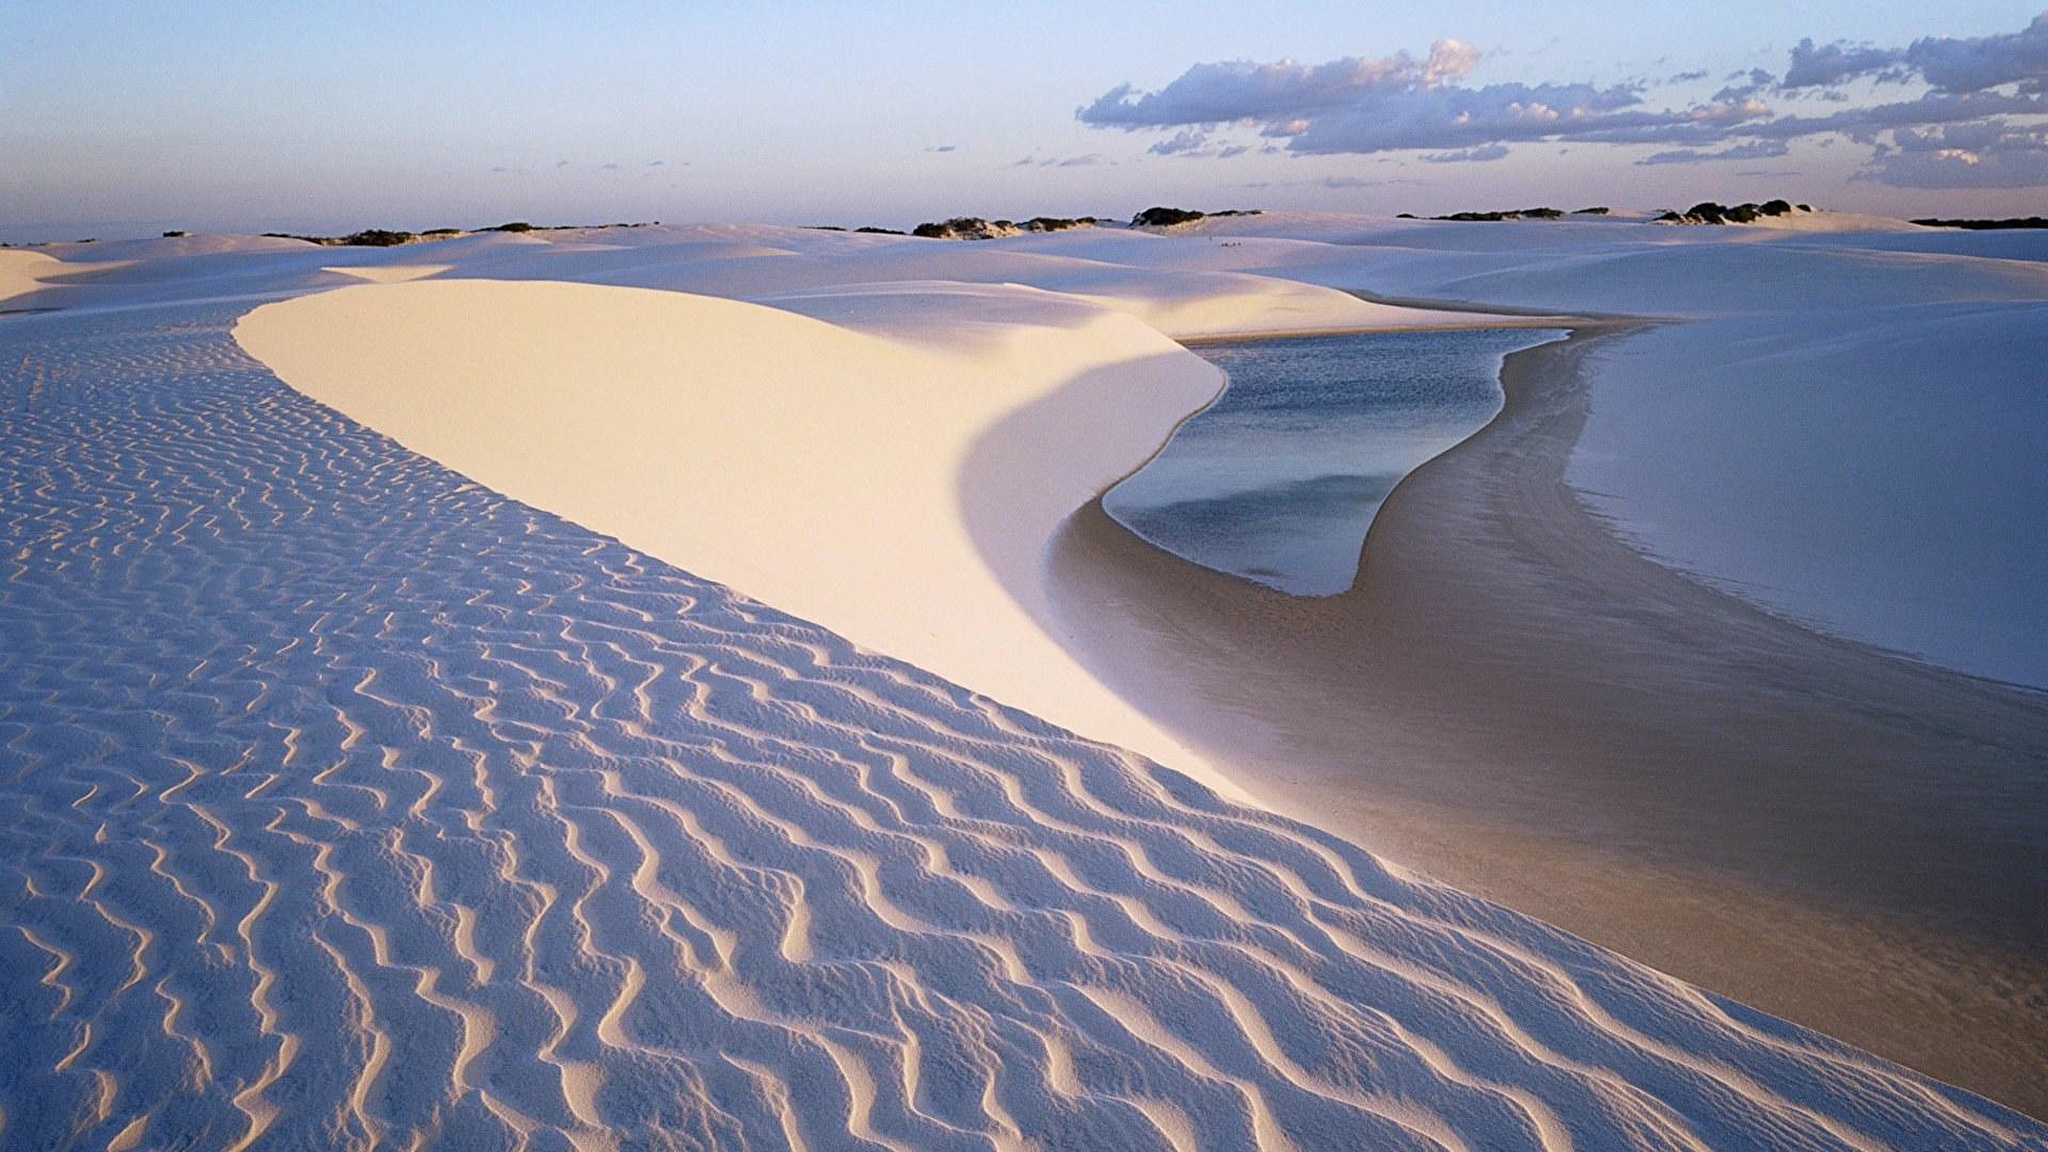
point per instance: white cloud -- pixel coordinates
(1281, 92)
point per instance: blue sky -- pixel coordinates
(123, 118)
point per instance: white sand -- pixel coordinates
(22, 272)
(1843, 429)
(350, 804)
(810, 466)
(889, 492)
(390, 273)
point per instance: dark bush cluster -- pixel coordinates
(1708, 212)
(965, 228)
(1602, 211)
(367, 238)
(1160, 217)
(1510, 214)
(388, 238)
(1057, 223)
(378, 238)
(1985, 225)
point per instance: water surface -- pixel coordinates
(1279, 479)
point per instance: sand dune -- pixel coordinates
(351, 803)
(22, 272)
(814, 466)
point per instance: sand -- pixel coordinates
(1514, 701)
(21, 272)
(812, 466)
(354, 802)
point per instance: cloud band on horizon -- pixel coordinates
(1976, 122)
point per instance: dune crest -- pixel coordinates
(22, 272)
(810, 465)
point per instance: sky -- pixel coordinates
(122, 119)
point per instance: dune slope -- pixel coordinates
(813, 466)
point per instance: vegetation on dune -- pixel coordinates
(1058, 223)
(1708, 212)
(1509, 214)
(1705, 212)
(965, 228)
(392, 238)
(1984, 225)
(976, 228)
(1161, 217)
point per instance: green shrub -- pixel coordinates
(377, 238)
(1161, 217)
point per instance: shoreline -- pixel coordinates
(1514, 701)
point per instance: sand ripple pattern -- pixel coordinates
(344, 803)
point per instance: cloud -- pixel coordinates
(1389, 103)
(1277, 93)
(1190, 143)
(1687, 77)
(1088, 160)
(1993, 155)
(1478, 155)
(1187, 141)
(1743, 85)
(1814, 67)
(944, 148)
(1947, 64)
(1865, 123)
(1422, 105)
(1753, 150)
(1986, 62)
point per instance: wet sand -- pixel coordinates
(1514, 701)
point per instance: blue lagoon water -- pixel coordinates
(1279, 479)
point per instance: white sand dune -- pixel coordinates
(816, 467)
(390, 273)
(24, 272)
(1881, 476)
(351, 803)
